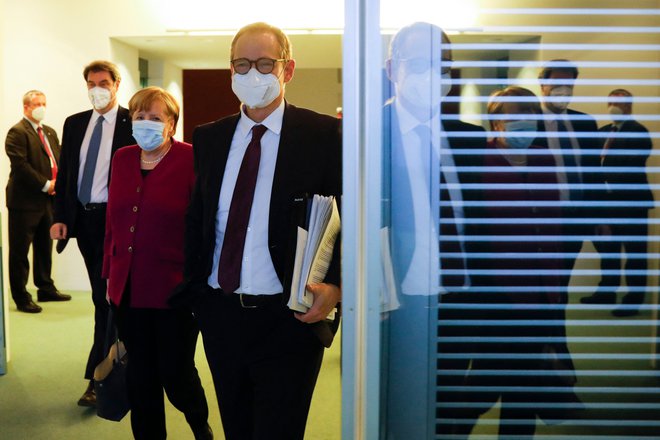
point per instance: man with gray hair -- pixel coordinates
(34, 152)
(626, 147)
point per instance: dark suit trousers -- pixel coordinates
(30, 228)
(636, 262)
(90, 233)
(264, 364)
(161, 350)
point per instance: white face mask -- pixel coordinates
(99, 97)
(39, 113)
(425, 90)
(613, 110)
(254, 89)
(562, 97)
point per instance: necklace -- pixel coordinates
(156, 160)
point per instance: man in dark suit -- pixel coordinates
(89, 140)
(572, 137)
(426, 157)
(250, 167)
(626, 147)
(34, 152)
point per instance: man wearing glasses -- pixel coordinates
(429, 154)
(250, 166)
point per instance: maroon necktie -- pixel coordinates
(53, 164)
(229, 268)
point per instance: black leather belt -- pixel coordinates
(246, 301)
(93, 206)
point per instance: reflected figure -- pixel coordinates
(424, 179)
(572, 138)
(517, 352)
(623, 161)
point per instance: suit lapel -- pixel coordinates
(286, 163)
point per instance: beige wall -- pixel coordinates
(48, 50)
(316, 89)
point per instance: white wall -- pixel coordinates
(48, 51)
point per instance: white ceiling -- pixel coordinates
(310, 51)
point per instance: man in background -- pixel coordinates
(626, 147)
(34, 152)
(89, 140)
(573, 140)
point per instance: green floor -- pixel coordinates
(44, 380)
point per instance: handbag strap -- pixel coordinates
(111, 336)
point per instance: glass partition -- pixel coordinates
(518, 227)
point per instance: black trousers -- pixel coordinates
(264, 364)
(90, 233)
(30, 228)
(636, 261)
(161, 352)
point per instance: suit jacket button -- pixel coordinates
(135, 209)
(132, 229)
(138, 189)
(130, 249)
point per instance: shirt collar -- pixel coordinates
(109, 116)
(273, 122)
(408, 122)
(35, 126)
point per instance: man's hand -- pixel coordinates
(51, 188)
(326, 297)
(58, 231)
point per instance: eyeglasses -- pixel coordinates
(421, 65)
(263, 65)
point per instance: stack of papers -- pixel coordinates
(314, 246)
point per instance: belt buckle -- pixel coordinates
(240, 297)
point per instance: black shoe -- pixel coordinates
(52, 296)
(624, 311)
(29, 307)
(203, 433)
(598, 298)
(89, 396)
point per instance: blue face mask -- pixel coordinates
(519, 141)
(148, 134)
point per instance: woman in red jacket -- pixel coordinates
(149, 192)
(522, 337)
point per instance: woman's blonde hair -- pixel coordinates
(528, 104)
(143, 100)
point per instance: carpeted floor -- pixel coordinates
(44, 380)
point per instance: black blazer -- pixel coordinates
(30, 166)
(308, 162)
(628, 153)
(66, 187)
(590, 146)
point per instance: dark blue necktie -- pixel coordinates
(572, 168)
(85, 193)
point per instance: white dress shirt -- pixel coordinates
(102, 170)
(552, 128)
(258, 276)
(424, 176)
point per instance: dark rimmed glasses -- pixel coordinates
(263, 65)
